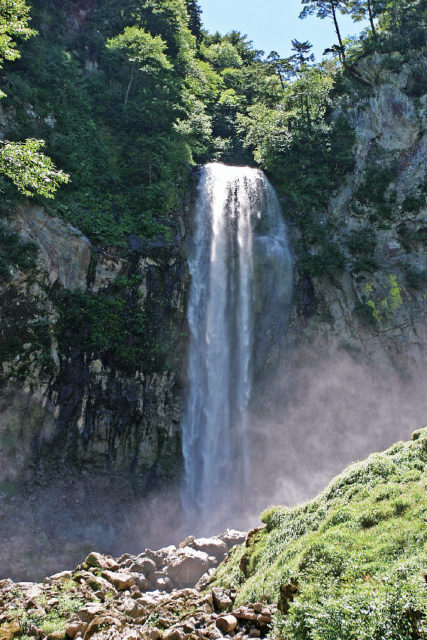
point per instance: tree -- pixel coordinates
(282, 67)
(302, 55)
(30, 170)
(360, 10)
(325, 9)
(144, 51)
(194, 18)
(22, 162)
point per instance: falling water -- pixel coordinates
(241, 288)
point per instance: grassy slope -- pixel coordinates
(354, 559)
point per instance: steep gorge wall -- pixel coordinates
(376, 306)
(61, 403)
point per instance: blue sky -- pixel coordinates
(272, 24)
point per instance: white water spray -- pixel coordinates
(241, 288)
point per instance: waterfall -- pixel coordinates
(241, 288)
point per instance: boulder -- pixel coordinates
(226, 624)
(120, 580)
(74, 627)
(232, 537)
(141, 582)
(98, 561)
(90, 611)
(9, 629)
(187, 567)
(221, 599)
(174, 634)
(212, 546)
(133, 608)
(143, 565)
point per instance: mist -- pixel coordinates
(310, 418)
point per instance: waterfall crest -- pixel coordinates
(241, 289)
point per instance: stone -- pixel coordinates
(74, 627)
(254, 633)
(245, 613)
(120, 580)
(98, 561)
(100, 585)
(55, 635)
(143, 565)
(212, 546)
(141, 581)
(203, 583)
(164, 584)
(90, 611)
(154, 634)
(62, 575)
(227, 623)
(258, 607)
(263, 620)
(102, 622)
(187, 567)
(221, 599)
(133, 608)
(174, 634)
(232, 537)
(9, 629)
(155, 556)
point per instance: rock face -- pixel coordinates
(68, 398)
(377, 306)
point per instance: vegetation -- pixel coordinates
(351, 563)
(23, 163)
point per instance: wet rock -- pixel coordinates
(226, 624)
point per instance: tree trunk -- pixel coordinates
(371, 18)
(130, 84)
(337, 29)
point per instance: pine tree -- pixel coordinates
(326, 9)
(195, 21)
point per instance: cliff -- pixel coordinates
(92, 326)
(375, 305)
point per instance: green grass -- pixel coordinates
(354, 558)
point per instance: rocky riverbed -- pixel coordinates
(158, 595)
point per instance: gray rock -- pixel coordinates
(212, 546)
(187, 567)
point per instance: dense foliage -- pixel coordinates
(127, 93)
(350, 563)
